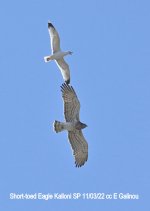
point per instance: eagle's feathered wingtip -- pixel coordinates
(79, 165)
(65, 86)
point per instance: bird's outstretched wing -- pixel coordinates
(71, 103)
(54, 37)
(79, 147)
(64, 68)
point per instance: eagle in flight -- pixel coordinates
(57, 54)
(73, 125)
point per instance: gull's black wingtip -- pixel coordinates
(67, 82)
(50, 25)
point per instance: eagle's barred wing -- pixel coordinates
(71, 103)
(79, 147)
(54, 37)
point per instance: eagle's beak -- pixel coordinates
(85, 125)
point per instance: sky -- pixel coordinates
(110, 72)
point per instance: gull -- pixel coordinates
(57, 54)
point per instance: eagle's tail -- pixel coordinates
(47, 58)
(58, 126)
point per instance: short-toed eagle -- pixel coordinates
(73, 125)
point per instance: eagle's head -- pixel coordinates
(83, 125)
(80, 125)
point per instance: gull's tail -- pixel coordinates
(47, 58)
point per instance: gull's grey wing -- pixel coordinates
(71, 103)
(54, 37)
(79, 147)
(64, 68)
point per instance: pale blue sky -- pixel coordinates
(110, 71)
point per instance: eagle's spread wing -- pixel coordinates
(71, 103)
(79, 147)
(64, 68)
(54, 37)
